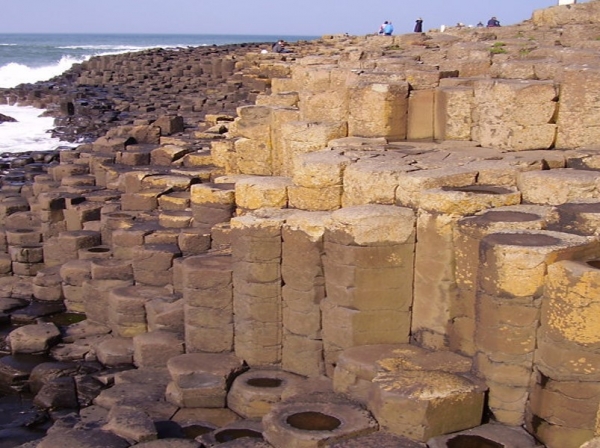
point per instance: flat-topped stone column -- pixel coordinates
(558, 186)
(581, 217)
(318, 180)
(303, 290)
(127, 315)
(375, 180)
(301, 137)
(565, 398)
(575, 113)
(435, 288)
(252, 131)
(423, 395)
(378, 109)
(368, 263)
(201, 380)
(526, 120)
(252, 193)
(212, 203)
(511, 281)
(66, 245)
(256, 250)
(467, 236)
(153, 264)
(208, 303)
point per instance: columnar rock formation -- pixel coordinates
(398, 239)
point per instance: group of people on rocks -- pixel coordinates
(387, 28)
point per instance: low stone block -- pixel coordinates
(201, 379)
(154, 349)
(424, 404)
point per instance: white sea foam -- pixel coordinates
(13, 74)
(29, 133)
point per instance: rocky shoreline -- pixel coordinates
(107, 91)
(372, 241)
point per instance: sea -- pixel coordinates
(29, 58)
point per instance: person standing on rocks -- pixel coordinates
(418, 25)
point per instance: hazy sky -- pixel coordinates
(292, 17)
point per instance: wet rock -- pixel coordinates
(35, 310)
(33, 339)
(78, 438)
(6, 119)
(15, 370)
(131, 424)
(58, 393)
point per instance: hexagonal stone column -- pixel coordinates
(201, 380)
(511, 282)
(368, 278)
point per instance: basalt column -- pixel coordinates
(368, 261)
(208, 303)
(435, 286)
(565, 399)
(510, 284)
(468, 233)
(303, 290)
(256, 250)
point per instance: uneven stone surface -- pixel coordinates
(409, 221)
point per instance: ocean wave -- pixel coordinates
(104, 47)
(119, 48)
(8, 45)
(29, 132)
(13, 74)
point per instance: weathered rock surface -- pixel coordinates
(411, 222)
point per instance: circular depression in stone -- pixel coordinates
(193, 431)
(472, 441)
(228, 435)
(118, 215)
(523, 239)
(479, 189)
(591, 207)
(594, 264)
(264, 382)
(313, 421)
(98, 249)
(508, 216)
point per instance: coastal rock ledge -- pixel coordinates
(385, 241)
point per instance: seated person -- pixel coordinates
(279, 47)
(493, 22)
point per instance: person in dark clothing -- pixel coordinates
(493, 22)
(279, 47)
(418, 25)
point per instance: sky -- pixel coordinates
(254, 17)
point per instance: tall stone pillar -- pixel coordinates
(368, 263)
(511, 282)
(435, 286)
(302, 293)
(565, 398)
(208, 303)
(468, 233)
(256, 250)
